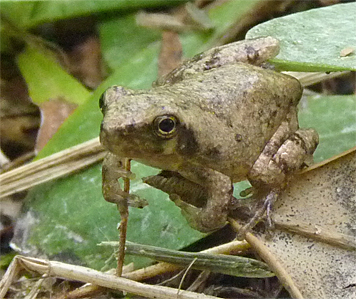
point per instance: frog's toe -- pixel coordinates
(184, 206)
(123, 173)
(136, 201)
(123, 198)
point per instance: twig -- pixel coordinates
(270, 260)
(124, 214)
(310, 78)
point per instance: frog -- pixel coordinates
(219, 118)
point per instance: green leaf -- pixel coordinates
(69, 216)
(32, 13)
(46, 79)
(117, 43)
(84, 123)
(333, 117)
(219, 263)
(313, 40)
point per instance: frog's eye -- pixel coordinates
(165, 126)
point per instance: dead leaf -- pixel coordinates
(171, 52)
(54, 112)
(346, 51)
(85, 62)
(19, 117)
(324, 201)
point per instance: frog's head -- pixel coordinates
(149, 126)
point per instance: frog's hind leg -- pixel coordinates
(178, 187)
(203, 195)
(272, 171)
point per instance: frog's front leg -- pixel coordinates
(113, 169)
(218, 191)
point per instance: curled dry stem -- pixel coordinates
(283, 276)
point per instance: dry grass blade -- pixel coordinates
(220, 263)
(52, 167)
(161, 268)
(88, 275)
(318, 233)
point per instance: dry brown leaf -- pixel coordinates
(346, 51)
(171, 52)
(85, 62)
(323, 201)
(54, 112)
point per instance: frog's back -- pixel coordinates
(239, 86)
(241, 106)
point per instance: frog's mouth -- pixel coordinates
(140, 144)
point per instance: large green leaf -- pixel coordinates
(70, 215)
(32, 13)
(313, 40)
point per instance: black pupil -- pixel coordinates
(167, 125)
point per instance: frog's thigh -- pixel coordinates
(219, 192)
(296, 151)
(175, 185)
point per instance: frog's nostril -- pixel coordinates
(102, 126)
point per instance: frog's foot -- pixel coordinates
(266, 207)
(272, 169)
(136, 202)
(199, 218)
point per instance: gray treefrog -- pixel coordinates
(217, 119)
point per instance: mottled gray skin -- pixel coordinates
(226, 116)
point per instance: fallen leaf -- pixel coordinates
(171, 52)
(323, 202)
(54, 112)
